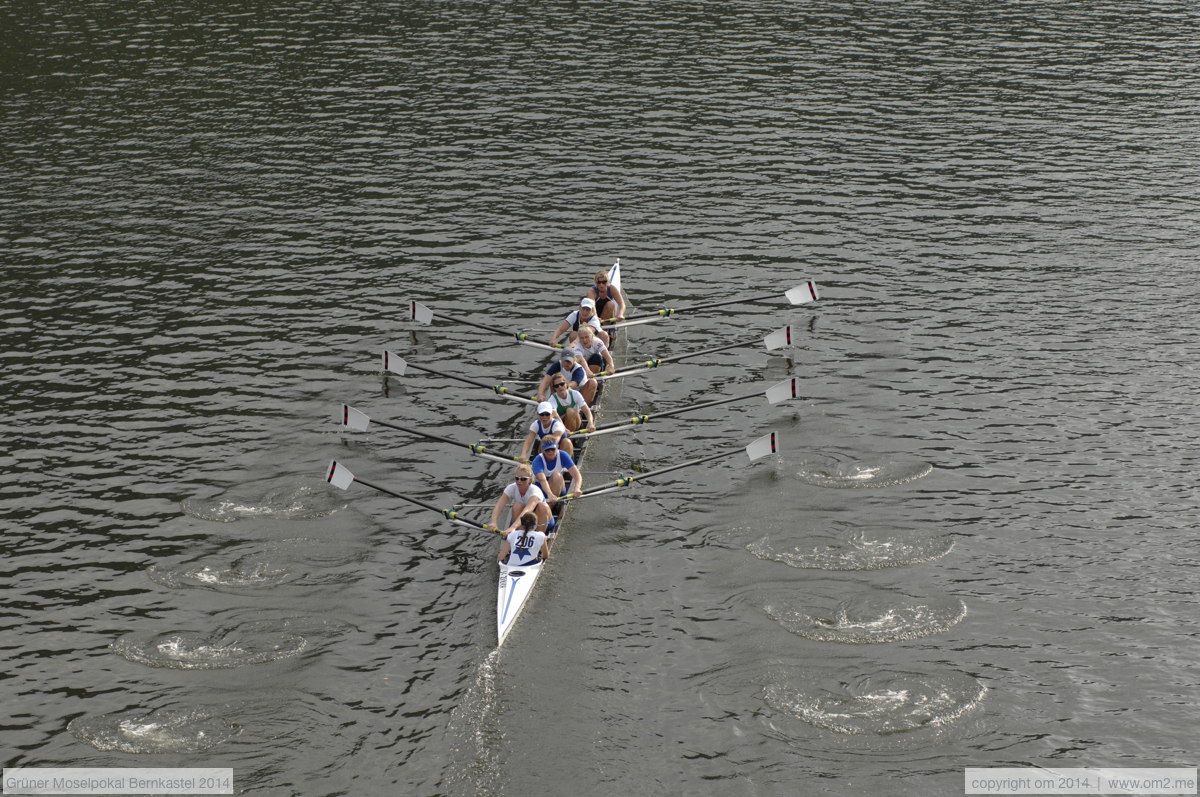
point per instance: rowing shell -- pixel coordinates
(516, 583)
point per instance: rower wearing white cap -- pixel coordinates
(549, 467)
(577, 375)
(546, 427)
(586, 314)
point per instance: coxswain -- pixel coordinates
(549, 467)
(525, 545)
(584, 315)
(524, 496)
(610, 302)
(544, 426)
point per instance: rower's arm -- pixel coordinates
(558, 331)
(608, 360)
(501, 502)
(576, 479)
(620, 303)
(527, 446)
(504, 552)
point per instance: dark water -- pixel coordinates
(977, 548)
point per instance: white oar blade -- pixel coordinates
(762, 447)
(779, 339)
(803, 293)
(394, 364)
(787, 389)
(614, 275)
(339, 476)
(421, 314)
(353, 419)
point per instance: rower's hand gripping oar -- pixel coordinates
(398, 366)
(422, 314)
(778, 339)
(787, 389)
(767, 444)
(803, 293)
(354, 419)
(340, 476)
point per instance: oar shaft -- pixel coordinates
(625, 481)
(446, 513)
(648, 365)
(474, 448)
(520, 337)
(499, 390)
(637, 420)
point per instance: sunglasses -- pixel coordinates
(522, 478)
(543, 415)
(560, 384)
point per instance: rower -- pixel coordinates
(525, 497)
(585, 315)
(610, 302)
(524, 546)
(570, 406)
(592, 351)
(549, 467)
(543, 426)
(577, 376)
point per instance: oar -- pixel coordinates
(359, 421)
(398, 366)
(424, 315)
(340, 476)
(787, 389)
(758, 449)
(803, 293)
(776, 340)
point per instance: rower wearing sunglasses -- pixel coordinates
(610, 302)
(568, 366)
(546, 426)
(570, 406)
(524, 496)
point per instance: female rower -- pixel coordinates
(570, 406)
(610, 302)
(524, 496)
(575, 373)
(592, 350)
(549, 467)
(546, 426)
(584, 316)
(525, 546)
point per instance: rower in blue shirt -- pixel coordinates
(567, 364)
(549, 467)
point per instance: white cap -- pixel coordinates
(588, 303)
(546, 406)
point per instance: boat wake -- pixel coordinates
(884, 703)
(836, 474)
(476, 737)
(876, 617)
(194, 730)
(290, 501)
(299, 561)
(226, 648)
(859, 552)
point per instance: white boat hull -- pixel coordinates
(516, 584)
